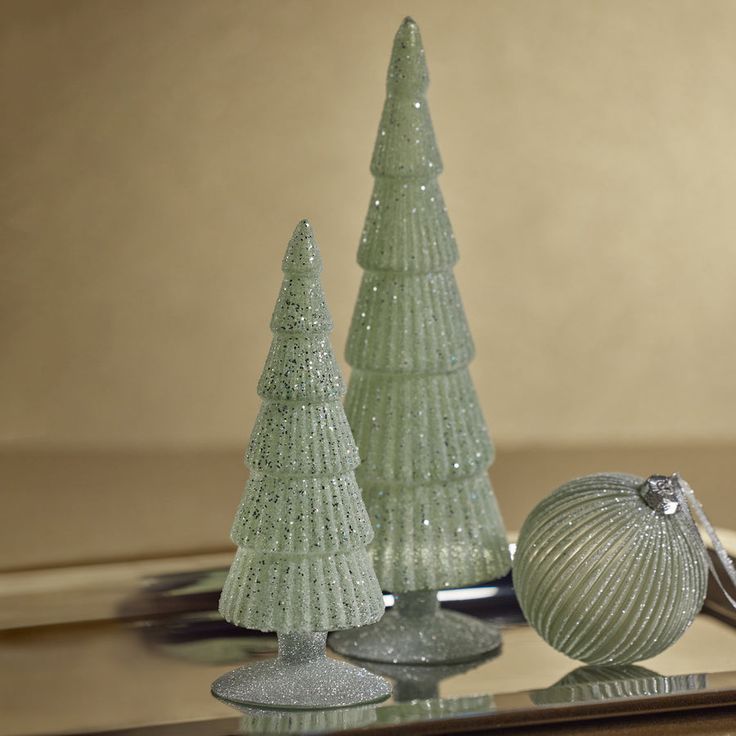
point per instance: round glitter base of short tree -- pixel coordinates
(302, 676)
(418, 631)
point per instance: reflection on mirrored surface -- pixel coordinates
(199, 590)
(205, 638)
(416, 692)
(152, 676)
(333, 720)
(420, 682)
(433, 709)
(174, 592)
(606, 682)
(480, 689)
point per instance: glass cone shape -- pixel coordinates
(411, 403)
(302, 567)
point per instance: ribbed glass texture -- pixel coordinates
(406, 322)
(282, 592)
(415, 416)
(416, 428)
(605, 578)
(302, 528)
(407, 228)
(301, 515)
(300, 439)
(445, 534)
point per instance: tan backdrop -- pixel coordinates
(156, 155)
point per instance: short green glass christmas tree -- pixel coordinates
(411, 402)
(302, 567)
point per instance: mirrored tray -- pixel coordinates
(148, 672)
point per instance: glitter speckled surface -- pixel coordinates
(602, 576)
(409, 323)
(302, 528)
(302, 676)
(444, 533)
(423, 442)
(416, 631)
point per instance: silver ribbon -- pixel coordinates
(690, 505)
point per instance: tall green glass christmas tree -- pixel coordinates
(302, 567)
(423, 442)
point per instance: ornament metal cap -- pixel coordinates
(661, 493)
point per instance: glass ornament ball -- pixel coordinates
(609, 570)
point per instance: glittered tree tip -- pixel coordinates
(407, 71)
(405, 147)
(301, 306)
(302, 254)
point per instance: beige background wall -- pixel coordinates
(156, 155)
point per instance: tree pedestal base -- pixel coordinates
(301, 677)
(418, 631)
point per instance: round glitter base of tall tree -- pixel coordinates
(418, 632)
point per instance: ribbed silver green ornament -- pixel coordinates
(606, 576)
(302, 567)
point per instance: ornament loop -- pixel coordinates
(688, 501)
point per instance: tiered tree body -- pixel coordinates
(301, 529)
(411, 403)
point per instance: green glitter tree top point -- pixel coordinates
(302, 254)
(406, 147)
(301, 306)
(407, 70)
